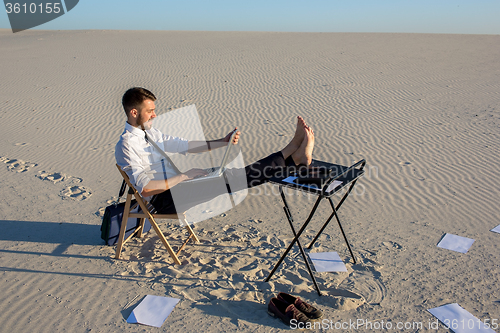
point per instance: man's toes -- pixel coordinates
(303, 122)
(299, 132)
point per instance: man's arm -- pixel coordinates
(202, 146)
(159, 186)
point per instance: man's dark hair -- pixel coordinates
(133, 98)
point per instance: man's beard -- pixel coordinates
(145, 125)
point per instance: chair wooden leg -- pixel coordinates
(146, 213)
(183, 244)
(190, 230)
(156, 228)
(164, 241)
(123, 227)
(140, 228)
(191, 235)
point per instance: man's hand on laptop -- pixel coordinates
(194, 173)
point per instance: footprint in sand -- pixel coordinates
(74, 180)
(21, 144)
(17, 165)
(392, 245)
(56, 177)
(344, 300)
(100, 211)
(76, 193)
(404, 163)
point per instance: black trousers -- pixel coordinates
(256, 174)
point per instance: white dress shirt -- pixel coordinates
(141, 161)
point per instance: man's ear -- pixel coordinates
(134, 113)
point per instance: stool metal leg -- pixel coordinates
(335, 209)
(290, 221)
(342, 229)
(304, 226)
(321, 230)
(340, 226)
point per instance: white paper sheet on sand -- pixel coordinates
(459, 320)
(153, 310)
(330, 188)
(327, 262)
(496, 229)
(456, 243)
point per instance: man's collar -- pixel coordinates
(134, 130)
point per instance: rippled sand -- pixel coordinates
(423, 110)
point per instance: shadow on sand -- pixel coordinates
(61, 233)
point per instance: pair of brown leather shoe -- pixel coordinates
(288, 307)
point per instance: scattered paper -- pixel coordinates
(456, 243)
(459, 320)
(153, 310)
(496, 229)
(327, 262)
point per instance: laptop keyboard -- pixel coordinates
(210, 172)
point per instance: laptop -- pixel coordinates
(217, 171)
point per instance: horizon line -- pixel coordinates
(266, 31)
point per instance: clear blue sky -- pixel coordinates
(419, 16)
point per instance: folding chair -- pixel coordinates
(147, 210)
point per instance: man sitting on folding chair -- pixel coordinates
(154, 175)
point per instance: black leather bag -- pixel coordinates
(112, 221)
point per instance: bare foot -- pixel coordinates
(299, 132)
(303, 155)
(298, 138)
